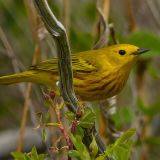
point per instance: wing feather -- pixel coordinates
(79, 64)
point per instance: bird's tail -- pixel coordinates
(16, 78)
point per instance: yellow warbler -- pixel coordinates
(98, 74)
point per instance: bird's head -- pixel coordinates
(124, 54)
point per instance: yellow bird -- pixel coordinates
(98, 74)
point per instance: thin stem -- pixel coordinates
(154, 11)
(26, 106)
(131, 17)
(24, 117)
(113, 34)
(103, 29)
(66, 14)
(22, 88)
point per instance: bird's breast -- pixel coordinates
(100, 86)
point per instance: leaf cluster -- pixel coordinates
(33, 155)
(120, 150)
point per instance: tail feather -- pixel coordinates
(16, 78)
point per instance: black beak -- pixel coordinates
(140, 51)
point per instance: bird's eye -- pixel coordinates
(122, 52)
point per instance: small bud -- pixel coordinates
(74, 125)
(52, 94)
(93, 147)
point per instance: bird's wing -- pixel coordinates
(79, 64)
(48, 65)
(83, 64)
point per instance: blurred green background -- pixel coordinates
(135, 22)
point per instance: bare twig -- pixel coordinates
(22, 87)
(66, 14)
(32, 16)
(17, 66)
(24, 117)
(103, 19)
(9, 51)
(39, 32)
(26, 107)
(61, 127)
(33, 23)
(154, 11)
(130, 14)
(113, 34)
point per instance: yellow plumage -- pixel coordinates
(98, 74)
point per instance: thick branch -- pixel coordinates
(58, 32)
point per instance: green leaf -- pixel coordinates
(80, 147)
(20, 156)
(121, 149)
(74, 154)
(27, 157)
(93, 148)
(34, 154)
(43, 156)
(126, 135)
(101, 157)
(70, 116)
(79, 131)
(88, 118)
